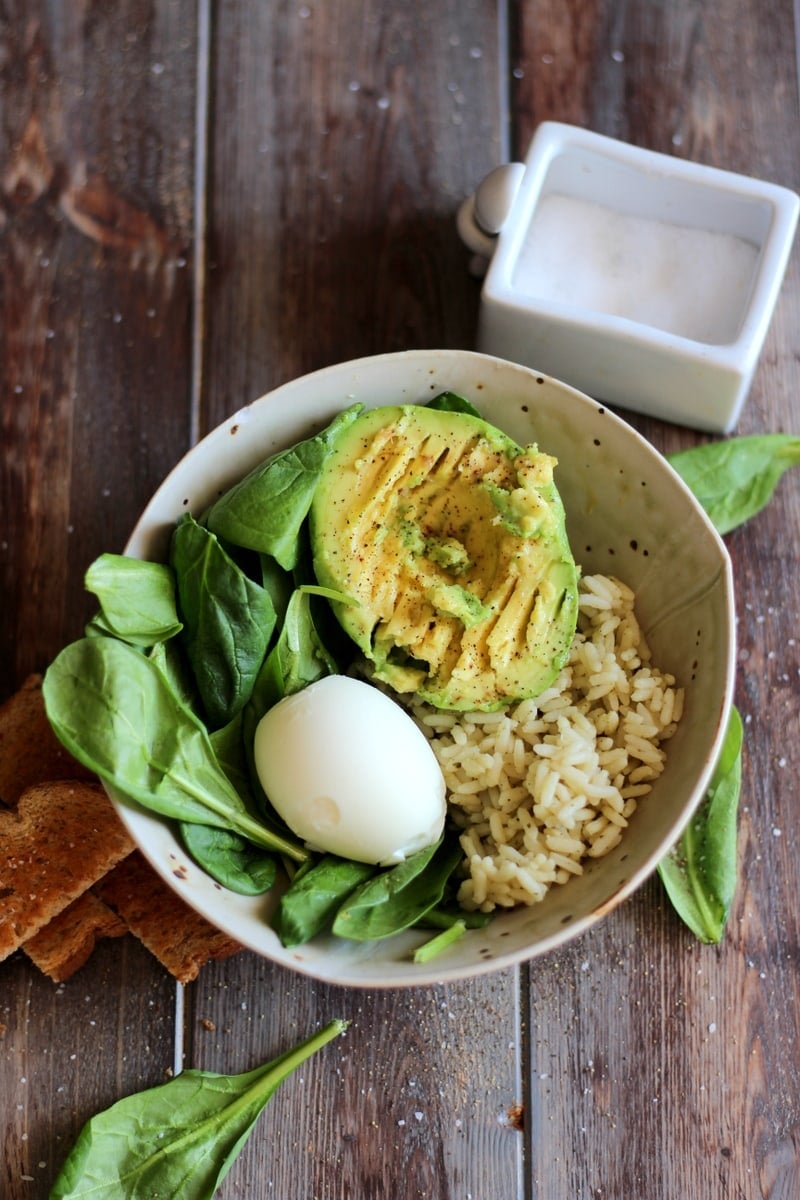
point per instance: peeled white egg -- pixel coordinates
(350, 772)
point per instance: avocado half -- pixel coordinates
(450, 541)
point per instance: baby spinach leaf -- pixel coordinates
(228, 620)
(452, 402)
(137, 598)
(229, 859)
(278, 583)
(180, 1138)
(175, 669)
(445, 915)
(297, 659)
(228, 745)
(266, 510)
(699, 873)
(397, 898)
(114, 711)
(734, 479)
(310, 903)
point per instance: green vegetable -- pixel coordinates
(445, 915)
(173, 666)
(436, 945)
(298, 657)
(179, 1139)
(452, 402)
(699, 873)
(228, 620)
(229, 859)
(137, 599)
(314, 896)
(114, 711)
(228, 745)
(399, 897)
(734, 479)
(266, 510)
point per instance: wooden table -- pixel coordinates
(201, 201)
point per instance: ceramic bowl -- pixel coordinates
(628, 514)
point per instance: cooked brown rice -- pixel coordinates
(539, 787)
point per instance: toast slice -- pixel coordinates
(64, 944)
(181, 939)
(63, 836)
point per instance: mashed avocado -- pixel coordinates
(450, 540)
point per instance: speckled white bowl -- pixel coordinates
(628, 514)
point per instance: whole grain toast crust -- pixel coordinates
(64, 944)
(180, 938)
(29, 750)
(63, 836)
(68, 873)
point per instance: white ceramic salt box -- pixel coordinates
(642, 279)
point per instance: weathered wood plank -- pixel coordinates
(661, 1067)
(413, 1101)
(332, 235)
(95, 228)
(358, 131)
(97, 207)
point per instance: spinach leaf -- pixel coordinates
(180, 1138)
(734, 479)
(699, 873)
(137, 599)
(297, 659)
(278, 583)
(115, 712)
(315, 894)
(228, 745)
(266, 510)
(176, 671)
(436, 945)
(443, 916)
(452, 402)
(228, 620)
(229, 859)
(397, 898)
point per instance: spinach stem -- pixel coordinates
(252, 829)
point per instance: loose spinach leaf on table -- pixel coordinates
(137, 599)
(398, 897)
(266, 510)
(228, 858)
(228, 620)
(699, 873)
(179, 1139)
(113, 709)
(734, 479)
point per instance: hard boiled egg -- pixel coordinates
(350, 772)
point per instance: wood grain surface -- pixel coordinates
(199, 201)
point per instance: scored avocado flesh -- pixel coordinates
(450, 541)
